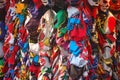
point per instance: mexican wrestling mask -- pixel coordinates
(72, 11)
(60, 22)
(19, 7)
(46, 23)
(104, 5)
(2, 3)
(115, 5)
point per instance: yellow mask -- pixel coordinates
(19, 7)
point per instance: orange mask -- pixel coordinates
(19, 7)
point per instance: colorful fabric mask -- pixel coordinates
(72, 11)
(115, 5)
(2, 3)
(46, 25)
(46, 2)
(19, 7)
(32, 29)
(81, 29)
(60, 22)
(104, 5)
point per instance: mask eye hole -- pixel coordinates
(105, 1)
(114, 1)
(95, 0)
(43, 20)
(16, 7)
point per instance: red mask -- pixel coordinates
(115, 5)
(104, 5)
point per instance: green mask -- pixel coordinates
(60, 22)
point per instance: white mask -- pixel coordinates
(47, 22)
(93, 2)
(104, 5)
(2, 3)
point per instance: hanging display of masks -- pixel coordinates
(59, 40)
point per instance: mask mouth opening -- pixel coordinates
(96, 3)
(47, 2)
(1, 2)
(44, 2)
